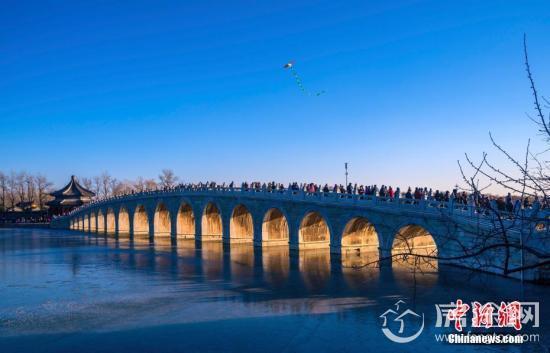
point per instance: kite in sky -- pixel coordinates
(290, 66)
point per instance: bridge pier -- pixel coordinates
(198, 225)
(257, 232)
(151, 223)
(131, 222)
(173, 224)
(293, 237)
(226, 226)
(117, 231)
(384, 256)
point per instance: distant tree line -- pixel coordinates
(27, 191)
(24, 190)
(105, 185)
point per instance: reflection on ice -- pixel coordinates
(314, 266)
(54, 282)
(360, 259)
(241, 260)
(276, 265)
(212, 259)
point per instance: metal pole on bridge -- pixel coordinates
(346, 167)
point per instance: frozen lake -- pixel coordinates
(64, 291)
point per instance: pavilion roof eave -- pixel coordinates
(73, 188)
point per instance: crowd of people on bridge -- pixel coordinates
(508, 204)
(482, 201)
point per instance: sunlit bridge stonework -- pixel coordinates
(358, 229)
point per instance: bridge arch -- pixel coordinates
(185, 225)
(110, 225)
(86, 223)
(211, 222)
(241, 225)
(314, 231)
(275, 227)
(411, 240)
(141, 221)
(123, 221)
(100, 222)
(359, 233)
(162, 221)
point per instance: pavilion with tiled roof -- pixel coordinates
(69, 197)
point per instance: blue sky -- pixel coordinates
(134, 87)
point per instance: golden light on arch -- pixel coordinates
(141, 221)
(275, 226)
(314, 229)
(123, 221)
(185, 227)
(211, 222)
(414, 247)
(241, 225)
(162, 221)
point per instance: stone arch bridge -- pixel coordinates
(342, 223)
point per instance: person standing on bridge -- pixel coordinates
(509, 205)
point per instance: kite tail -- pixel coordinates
(298, 80)
(300, 84)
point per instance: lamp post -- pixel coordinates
(346, 167)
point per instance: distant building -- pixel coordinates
(69, 197)
(25, 206)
